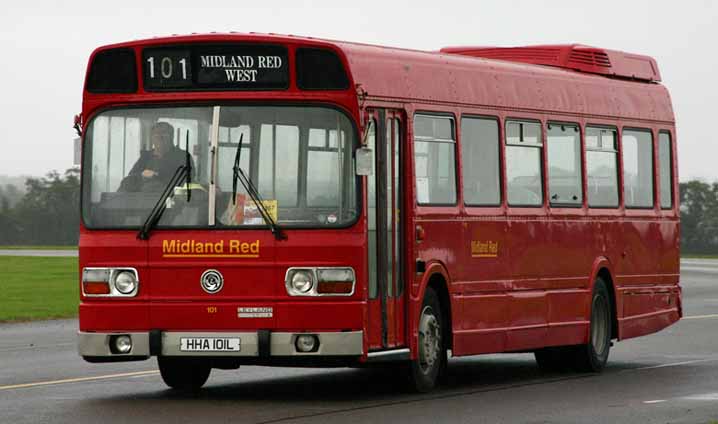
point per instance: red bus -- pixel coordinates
(277, 200)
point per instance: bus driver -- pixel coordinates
(154, 169)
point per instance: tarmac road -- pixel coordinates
(668, 377)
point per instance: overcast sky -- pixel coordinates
(45, 46)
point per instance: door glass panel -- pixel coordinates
(371, 209)
(389, 181)
(397, 210)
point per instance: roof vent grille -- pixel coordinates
(592, 60)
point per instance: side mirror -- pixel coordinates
(364, 161)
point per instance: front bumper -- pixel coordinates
(253, 344)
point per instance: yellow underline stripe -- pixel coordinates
(209, 256)
(702, 316)
(77, 380)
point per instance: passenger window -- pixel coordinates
(523, 163)
(564, 164)
(666, 169)
(601, 167)
(323, 169)
(480, 158)
(278, 163)
(637, 148)
(434, 160)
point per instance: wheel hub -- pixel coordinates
(429, 339)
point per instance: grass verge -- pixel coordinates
(35, 288)
(699, 256)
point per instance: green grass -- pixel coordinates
(34, 288)
(38, 247)
(699, 256)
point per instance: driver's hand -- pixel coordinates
(148, 173)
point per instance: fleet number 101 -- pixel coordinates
(167, 68)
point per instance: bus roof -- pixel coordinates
(453, 77)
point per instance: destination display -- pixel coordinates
(215, 67)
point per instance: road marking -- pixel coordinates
(676, 364)
(700, 269)
(702, 316)
(705, 396)
(654, 401)
(77, 380)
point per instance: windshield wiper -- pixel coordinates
(188, 166)
(182, 172)
(249, 187)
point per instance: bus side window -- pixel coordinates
(665, 158)
(523, 163)
(435, 160)
(602, 167)
(637, 149)
(480, 158)
(564, 164)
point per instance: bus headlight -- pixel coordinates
(320, 281)
(302, 281)
(125, 282)
(110, 282)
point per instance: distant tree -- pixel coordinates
(13, 194)
(699, 217)
(8, 227)
(49, 211)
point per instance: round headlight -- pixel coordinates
(125, 282)
(302, 281)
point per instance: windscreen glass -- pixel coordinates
(299, 158)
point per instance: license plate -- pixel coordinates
(210, 344)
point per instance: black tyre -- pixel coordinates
(431, 359)
(186, 374)
(592, 356)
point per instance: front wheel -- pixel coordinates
(431, 359)
(186, 374)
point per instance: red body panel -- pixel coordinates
(532, 290)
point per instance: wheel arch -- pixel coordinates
(436, 277)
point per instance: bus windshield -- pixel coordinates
(299, 158)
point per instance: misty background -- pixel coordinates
(45, 46)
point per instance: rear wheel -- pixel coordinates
(186, 374)
(431, 359)
(589, 357)
(592, 356)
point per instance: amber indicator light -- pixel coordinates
(96, 287)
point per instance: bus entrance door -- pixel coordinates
(385, 234)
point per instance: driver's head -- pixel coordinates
(161, 137)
